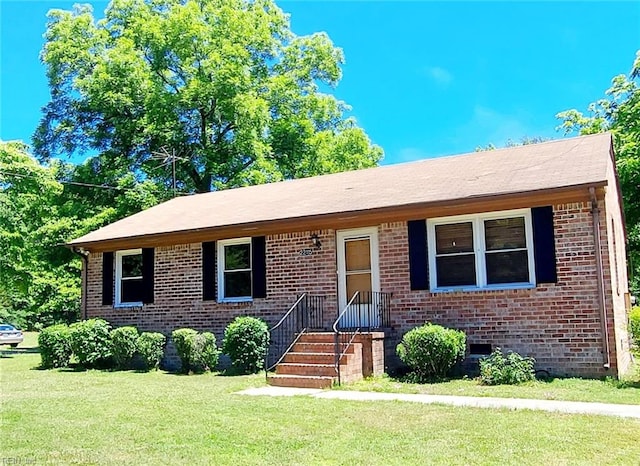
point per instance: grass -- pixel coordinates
(608, 390)
(94, 417)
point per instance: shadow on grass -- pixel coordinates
(27, 350)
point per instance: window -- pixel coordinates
(234, 270)
(482, 251)
(129, 279)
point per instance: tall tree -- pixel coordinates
(223, 84)
(619, 113)
(41, 208)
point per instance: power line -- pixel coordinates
(74, 183)
(84, 185)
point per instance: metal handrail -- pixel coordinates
(376, 298)
(268, 367)
(338, 353)
(286, 314)
(299, 316)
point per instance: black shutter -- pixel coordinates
(259, 267)
(209, 270)
(107, 278)
(147, 275)
(418, 267)
(544, 249)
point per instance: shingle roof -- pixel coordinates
(549, 165)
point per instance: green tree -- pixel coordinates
(27, 193)
(41, 208)
(619, 112)
(224, 84)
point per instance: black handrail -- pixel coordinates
(306, 313)
(365, 311)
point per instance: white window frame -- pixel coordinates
(479, 247)
(221, 269)
(119, 277)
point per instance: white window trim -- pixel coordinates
(221, 267)
(480, 249)
(119, 256)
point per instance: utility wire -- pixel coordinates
(78, 183)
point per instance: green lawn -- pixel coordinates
(66, 417)
(605, 391)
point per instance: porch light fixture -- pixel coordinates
(316, 241)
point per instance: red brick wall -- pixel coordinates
(558, 324)
(178, 286)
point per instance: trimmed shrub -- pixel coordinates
(498, 369)
(124, 341)
(55, 346)
(431, 350)
(246, 341)
(91, 343)
(204, 353)
(634, 325)
(183, 341)
(150, 347)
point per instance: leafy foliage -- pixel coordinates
(431, 350)
(123, 340)
(246, 341)
(150, 347)
(498, 369)
(634, 325)
(225, 85)
(54, 343)
(91, 343)
(204, 353)
(619, 113)
(39, 282)
(183, 341)
(197, 351)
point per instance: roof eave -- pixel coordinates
(350, 219)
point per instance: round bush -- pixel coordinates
(634, 325)
(246, 341)
(431, 350)
(512, 369)
(204, 352)
(150, 347)
(123, 341)
(55, 346)
(183, 341)
(91, 343)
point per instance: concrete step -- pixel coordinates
(306, 369)
(300, 381)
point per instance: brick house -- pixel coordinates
(522, 248)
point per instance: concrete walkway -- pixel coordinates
(571, 407)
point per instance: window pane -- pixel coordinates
(505, 233)
(357, 255)
(131, 291)
(132, 266)
(237, 256)
(237, 284)
(507, 267)
(454, 237)
(359, 282)
(456, 270)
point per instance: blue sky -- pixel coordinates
(424, 78)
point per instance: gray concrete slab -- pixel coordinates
(569, 407)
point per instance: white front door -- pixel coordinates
(358, 272)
